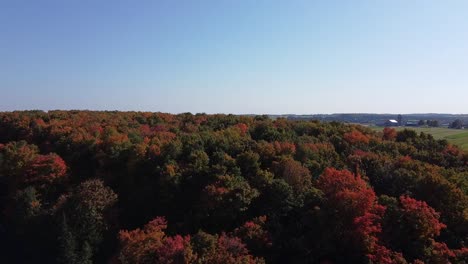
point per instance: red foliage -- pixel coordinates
(359, 156)
(461, 253)
(174, 250)
(254, 234)
(161, 128)
(389, 133)
(146, 131)
(46, 168)
(243, 128)
(215, 191)
(357, 206)
(421, 216)
(367, 224)
(284, 148)
(383, 255)
(356, 137)
(152, 245)
(334, 182)
(362, 153)
(231, 245)
(39, 122)
(405, 160)
(441, 253)
(95, 129)
(452, 150)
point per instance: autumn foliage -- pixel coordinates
(140, 187)
(151, 244)
(47, 168)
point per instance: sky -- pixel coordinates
(235, 56)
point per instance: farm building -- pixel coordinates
(391, 122)
(412, 123)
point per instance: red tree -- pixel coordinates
(354, 207)
(46, 168)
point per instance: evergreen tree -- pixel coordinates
(86, 254)
(67, 244)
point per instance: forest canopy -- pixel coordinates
(141, 187)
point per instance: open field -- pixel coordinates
(457, 137)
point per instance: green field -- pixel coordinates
(457, 137)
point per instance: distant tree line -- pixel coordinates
(458, 124)
(430, 123)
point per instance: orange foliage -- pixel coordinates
(152, 245)
(356, 137)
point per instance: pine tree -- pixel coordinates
(67, 244)
(86, 254)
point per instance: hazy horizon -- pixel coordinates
(227, 113)
(240, 57)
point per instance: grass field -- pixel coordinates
(457, 137)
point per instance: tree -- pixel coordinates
(88, 211)
(225, 199)
(353, 217)
(406, 135)
(248, 162)
(457, 124)
(86, 256)
(152, 245)
(356, 137)
(294, 174)
(67, 243)
(221, 249)
(282, 190)
(46, 169)
(27, 206)
(411, 227)
(389, 133)
(254, 234)
(433, 123)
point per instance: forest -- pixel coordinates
(141, 187)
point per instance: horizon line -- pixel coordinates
(224, 113)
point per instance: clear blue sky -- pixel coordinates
(225, 56)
